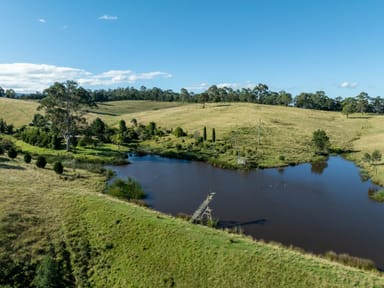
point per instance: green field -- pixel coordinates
(112, 243)
(102, 241)
(285, 132)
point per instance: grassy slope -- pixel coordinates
(284, 131)
(17, 112)
(129, 246)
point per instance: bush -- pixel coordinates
(6, 144)
(41, 162)
(129, 189)
(12, 153)
(58, 167)
(346, 259)
(321, 141)
(27, 158)
(178, 132)
(85, 140)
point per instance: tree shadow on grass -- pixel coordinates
(10, 166)
(359, 117)
(104, 113)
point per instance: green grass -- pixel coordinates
(377, 196)
(113, 243)
(110, 110)
(17, 112)
(102, 153)
(285, 132)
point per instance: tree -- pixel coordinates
(378, 104)
(27, 158)
(2, 92)
(64, 108)
(3, 126)
(10, 93)
(349, 106)
(376, 156)
(367, 158)
(205, 133)
(362, 102)
(58, 167)
(39, 120)
(117, 139)
(284, 98)
(12, 153)
(178, 132)
(321, 141)
(41, 162)
(122, 127)
(151, 127)
(213, 135)
(98, 129)
(134, 122)
(184, 95)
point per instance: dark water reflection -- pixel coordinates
(319, 208)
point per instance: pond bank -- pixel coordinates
(315, 207)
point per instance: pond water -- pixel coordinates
(319, 208)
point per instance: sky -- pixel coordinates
(294, 45)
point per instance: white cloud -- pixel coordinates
(29, 77)
(201, 86)
(42, 20)
(347, 84)
(228, 85)
(205, 86)
(108, 17)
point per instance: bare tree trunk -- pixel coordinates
(67, 143)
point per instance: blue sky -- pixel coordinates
(293, 45)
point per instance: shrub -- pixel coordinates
(129, 189)
(351, 260)
(321, 141)
(58, 167)
(6, 144)
(47, 273)
(178, 132)
(12, 153)
(41, 162)
(27, 158)
(84, 141)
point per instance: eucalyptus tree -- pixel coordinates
(10, 93)
(362, 102)
(349, 106)
(64, 105)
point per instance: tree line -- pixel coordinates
(260, 94)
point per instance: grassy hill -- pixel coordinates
(104, 242)
(98, 241)
(17, 112)
(285, 132)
